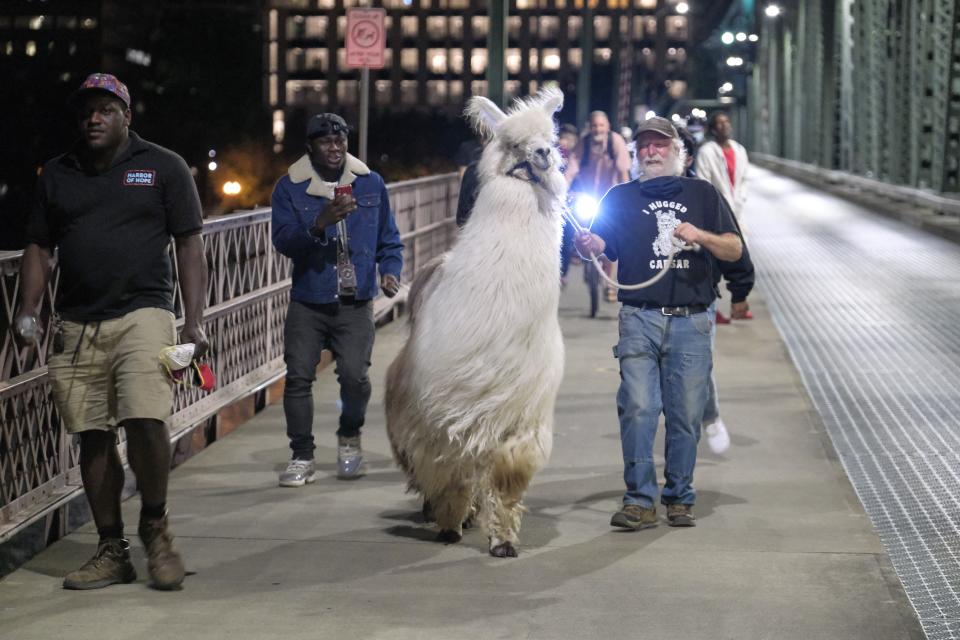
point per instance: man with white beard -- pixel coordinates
(665, 349)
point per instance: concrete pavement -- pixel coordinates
(782, 549)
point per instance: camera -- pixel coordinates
(346, 276)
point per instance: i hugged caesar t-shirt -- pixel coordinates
(637, 221)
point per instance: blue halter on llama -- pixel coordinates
(470, 397)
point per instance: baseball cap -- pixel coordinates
(101, 82)
(658, 125)
(325, 124)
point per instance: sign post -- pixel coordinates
(366, 42)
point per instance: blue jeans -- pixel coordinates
(348, 331)
(665, 367)
(711, 412)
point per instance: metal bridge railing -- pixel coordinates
(247, 298)
(922, 198)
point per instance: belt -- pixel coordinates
(331, 308)
(682, 312)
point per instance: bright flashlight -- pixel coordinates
(586, 207)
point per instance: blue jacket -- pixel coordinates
(374, 240)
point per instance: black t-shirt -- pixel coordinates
(637, 220)
(112, 230)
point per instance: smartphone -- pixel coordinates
(343, 190)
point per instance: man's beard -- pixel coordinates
(600, 138)
(665, 164)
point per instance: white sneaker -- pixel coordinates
(298, 473)
(717, 437)
(350, 458)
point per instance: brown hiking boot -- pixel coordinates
(163, 562)
(681, 515)
(634, 516)
(109, 565)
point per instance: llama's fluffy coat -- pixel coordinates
(470, 398)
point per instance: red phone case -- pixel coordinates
(343, 190)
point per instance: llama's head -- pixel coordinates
(522, 142)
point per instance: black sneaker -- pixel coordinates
(681, 515)
(633, 516)
(109, 565)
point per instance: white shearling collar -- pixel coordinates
(302, 170)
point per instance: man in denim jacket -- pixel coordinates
(337, 238)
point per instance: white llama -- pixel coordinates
(470, 398)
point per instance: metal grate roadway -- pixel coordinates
(870, 311)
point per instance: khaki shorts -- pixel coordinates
(110, 371)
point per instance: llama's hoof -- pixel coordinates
(505, 550)
(449, 536)
(427, 512)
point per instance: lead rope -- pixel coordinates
(676, 246)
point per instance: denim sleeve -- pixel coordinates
(389, 246)
(290, 234)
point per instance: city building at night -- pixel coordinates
(187, 65)
(436, 55)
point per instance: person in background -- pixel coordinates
(467, 153)
(600, 160)
(469, 184)
(567, 139)
(740, 278)
(723, 162)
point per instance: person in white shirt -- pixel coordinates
(723, 163)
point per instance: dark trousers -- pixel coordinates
(347, 330)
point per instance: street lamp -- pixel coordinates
(726, 38)
(734, 61)
(772, 11)
(741, 36)
(231, 188)
(682, 8)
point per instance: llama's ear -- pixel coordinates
(484, 115)
(553, 101)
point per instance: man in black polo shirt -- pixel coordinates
(109, 207)
(665, 350)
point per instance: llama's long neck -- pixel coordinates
(510, 240)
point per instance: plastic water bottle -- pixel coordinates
(28, 328)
